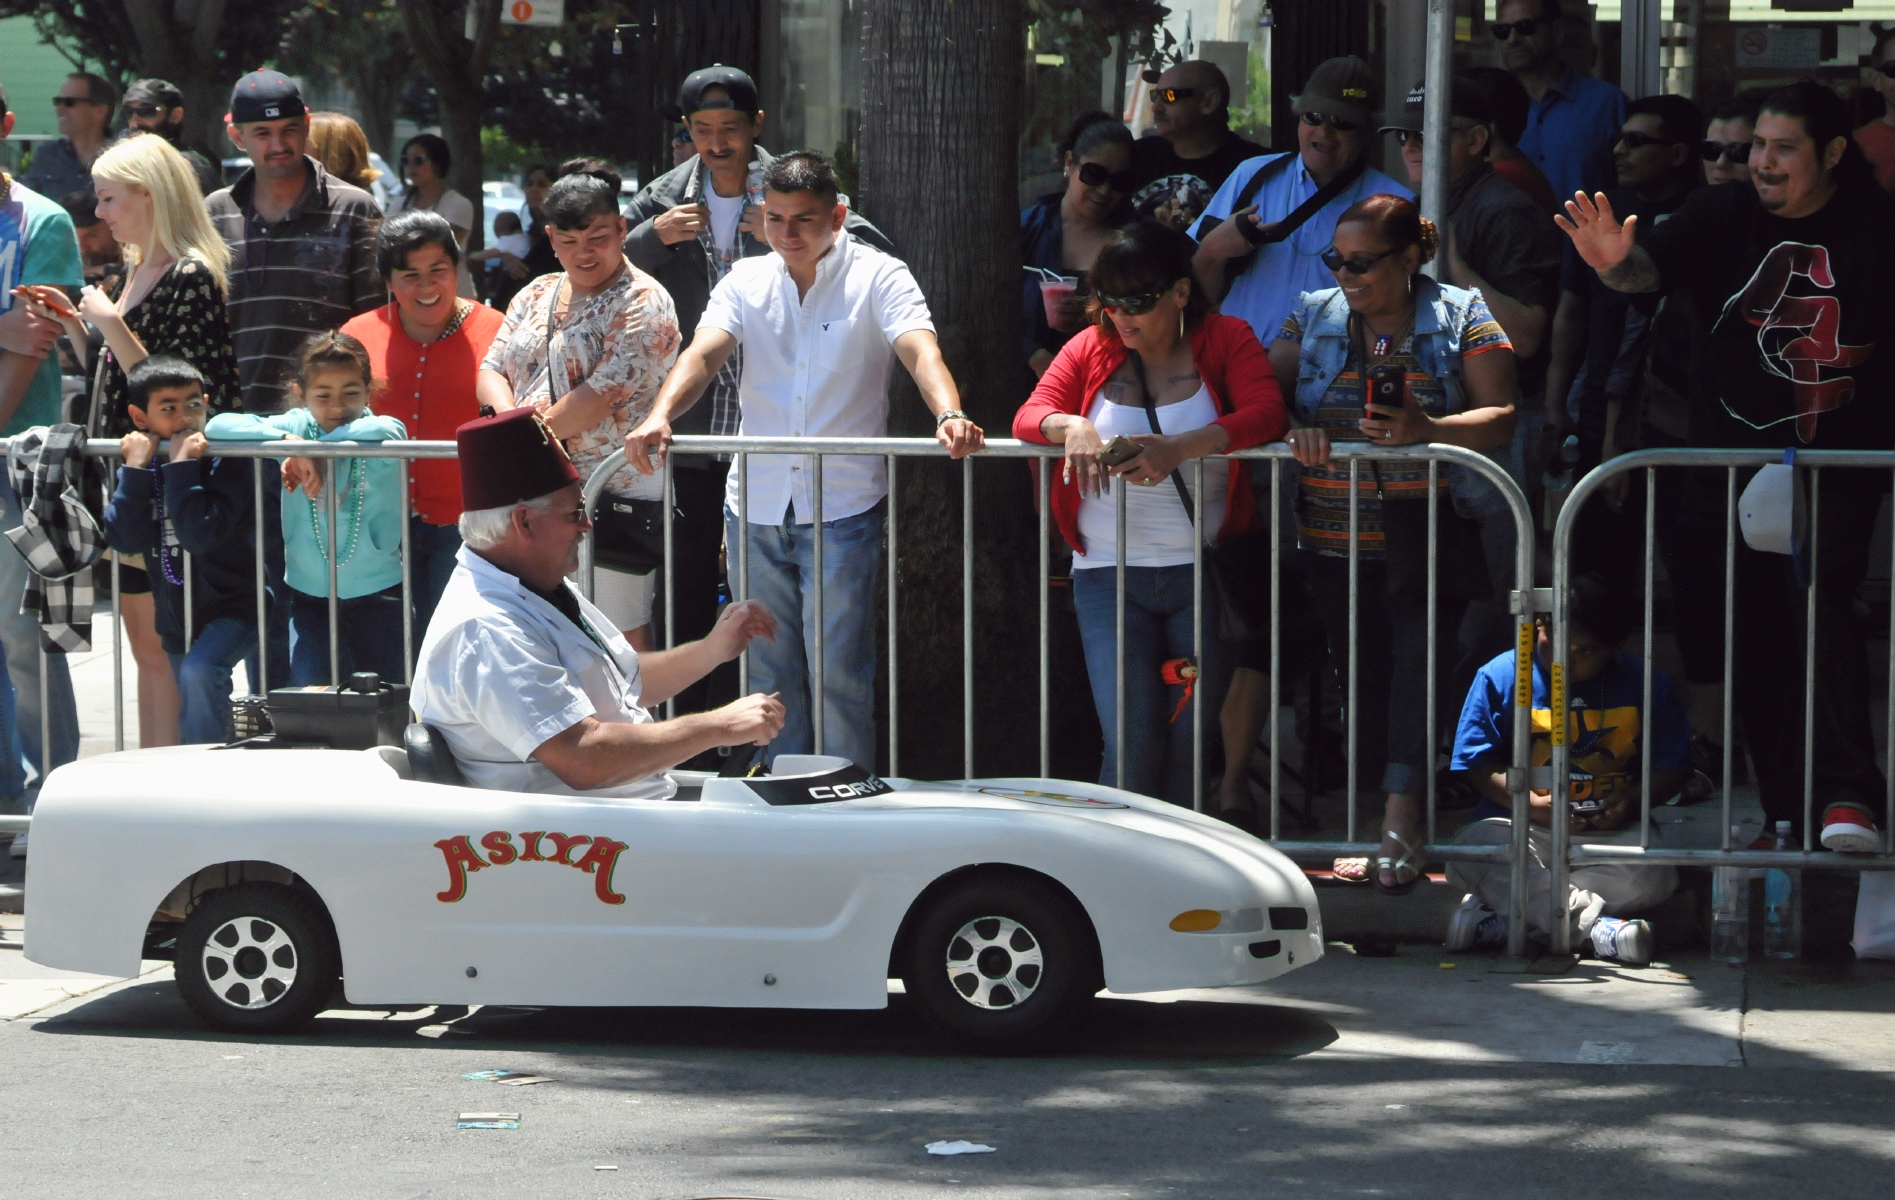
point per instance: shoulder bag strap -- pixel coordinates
(1301, 214)
(1151, 415)
(555, 353)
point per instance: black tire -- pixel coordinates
(257, 958)
(1002, 961)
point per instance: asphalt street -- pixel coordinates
(1390, 1078)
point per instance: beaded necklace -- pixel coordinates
(166, 536)
(354, 523)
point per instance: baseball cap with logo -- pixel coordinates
(740, 91)
(1471, 100)
(265, 96)
(161, 92)
(1342, 87)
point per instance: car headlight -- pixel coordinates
(1210, 920)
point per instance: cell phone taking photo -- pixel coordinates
(1118, 451)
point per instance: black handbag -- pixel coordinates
(1223, 563)
(627, 535)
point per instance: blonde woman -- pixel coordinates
(339, 144)
(172, 303)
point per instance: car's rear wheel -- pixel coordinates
(1002, 960)
(257, 958)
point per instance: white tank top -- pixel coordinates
(1157, 531)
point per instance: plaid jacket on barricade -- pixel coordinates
(58, 537)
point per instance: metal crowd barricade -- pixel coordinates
(1525, 601)
(1565, 855)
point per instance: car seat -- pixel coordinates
(429, 757)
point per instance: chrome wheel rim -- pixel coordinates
(994, 963)
(249, 962)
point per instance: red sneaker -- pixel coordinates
(1849, 829)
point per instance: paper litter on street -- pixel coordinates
(958, 1148)
(523, 1080)
(488, 1120)
(495, 1076)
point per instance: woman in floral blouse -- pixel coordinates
(173, 303)
(613, 329)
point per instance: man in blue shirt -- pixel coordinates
(1575, 118)
(1336, 122)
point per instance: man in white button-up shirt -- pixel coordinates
(530, 684)
(819, 320)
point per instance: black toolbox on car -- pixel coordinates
(362, 713)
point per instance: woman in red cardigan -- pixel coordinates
(426, 346)
(1154, 354)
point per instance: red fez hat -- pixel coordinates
(509, 457)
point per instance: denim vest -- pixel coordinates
(1440, 311)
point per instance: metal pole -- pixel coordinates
(894, 641)
(1730, 610)
(1349, 725)
(1434, 513)
(118, 666)
(1276, 649)
(1045, 475)
(1809, 658)
(1118, 647)
(333, 504)
(46, 713)
(1645, 741)
(967, 617)
(671, 631)
(1888, 820)
(261, 684)
(190, 607)
(743, 565)
(1197, 639)
(1435, 121)
(407, 579)
(820, 655)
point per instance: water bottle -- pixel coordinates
(1783, 905)
(1730, 910)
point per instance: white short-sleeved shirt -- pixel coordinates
(501, 671)
(817, 367)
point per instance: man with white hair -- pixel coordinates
(534, 689)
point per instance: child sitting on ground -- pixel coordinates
(1605, 739)
(189, 506)
(334, 381)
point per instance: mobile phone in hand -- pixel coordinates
(1118, 451)
(51, 297)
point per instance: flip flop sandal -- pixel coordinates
(1395, 866)
(1350, 870)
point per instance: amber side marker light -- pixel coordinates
(1198, 920)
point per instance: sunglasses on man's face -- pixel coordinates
(1354, 266)
(142, 110)
(1638, 141)
(71, 101)
(1737, 152)
(1172, 95)
(1526, 28)
(1094, 174)
(1132, 306)
(1316, 119)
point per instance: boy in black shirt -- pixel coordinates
(190, 505)
(1795, 267)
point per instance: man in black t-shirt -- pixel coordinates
(1190, 151)
(1792, 273)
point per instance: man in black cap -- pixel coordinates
(157, 106)
(533, 688)
(302, 242)
(688, 226)
(1191, 149)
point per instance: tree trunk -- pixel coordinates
(457, 68)
(940, 99)
(179, 43)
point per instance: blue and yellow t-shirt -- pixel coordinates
(1604, 727)
(37, 245)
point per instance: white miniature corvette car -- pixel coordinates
(1002, 904)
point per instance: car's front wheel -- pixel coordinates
(1002, 960)
(257, 958)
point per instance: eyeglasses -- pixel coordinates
(1526, 28)
(1737, 152)
(70, 101)
(415, 160)
(1132, 306)
(1638, 141)
(1315, 119)
(135, 109)
(1095, 175)
(1355, 266)
(1173, 95)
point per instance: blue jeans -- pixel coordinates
(19, 633)
(12, 759)
(370, 629)
(1158, 626)
(782, 563)
(204, 678)
(431, 550)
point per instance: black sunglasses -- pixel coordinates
(1638, 141)
(71, 101)
(1315, 119)
(1737, 152)
(1173, 95)
(1095, 175)
(1133, 306)
(1355, 266)
(135, 109)
(1527, 28)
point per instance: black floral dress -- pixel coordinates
(182, 316)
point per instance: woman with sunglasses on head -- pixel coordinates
(1153, 358)
(424, 164)
(1450, 370)
(1061, 233)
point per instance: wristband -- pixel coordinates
(952, 414)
